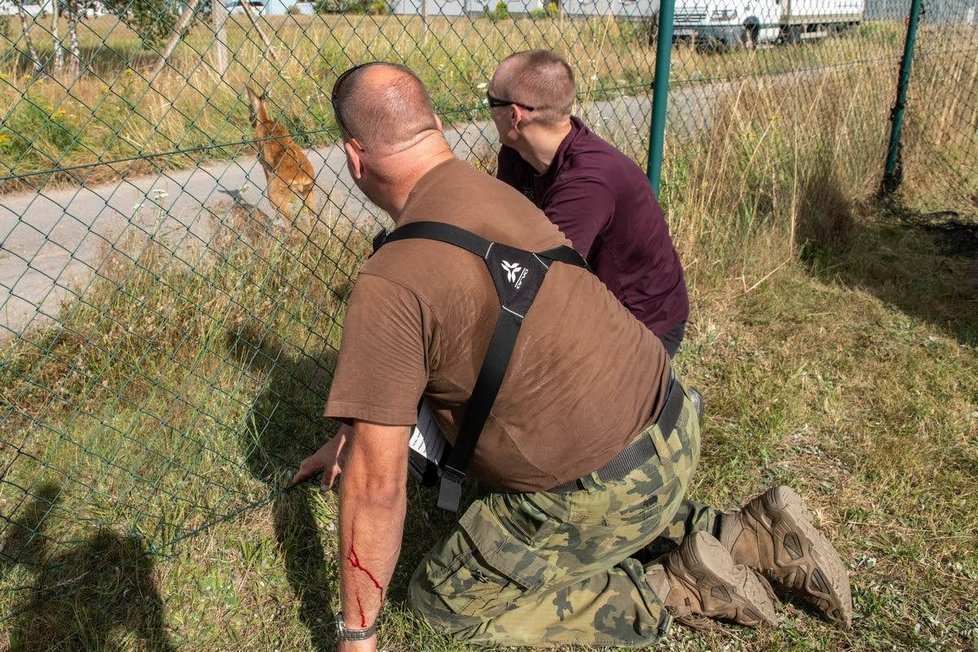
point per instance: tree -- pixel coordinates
(186, 18)
(25, 26)
(153, 20)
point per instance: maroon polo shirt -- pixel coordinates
(603, 202)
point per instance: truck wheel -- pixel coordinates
(792, 34)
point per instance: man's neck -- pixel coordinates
(410, 168)
(539, 147)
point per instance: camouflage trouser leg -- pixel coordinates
(541, 568)
(690, 518)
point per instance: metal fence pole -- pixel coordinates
(660, 93)
(893, 173)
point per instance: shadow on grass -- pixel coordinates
(924, 264)
(87, 597)
(285, 425)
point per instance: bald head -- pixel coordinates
(384, 106)
(538, 78)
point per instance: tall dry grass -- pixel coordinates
(169, 394)
(113, 116)
(940, 138)
(782, 166)
(114, 121)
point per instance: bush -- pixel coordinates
(549, 10)
(369, 7)
(501, 12)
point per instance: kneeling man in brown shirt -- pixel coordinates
(588, 447)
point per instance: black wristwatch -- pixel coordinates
(344, 633)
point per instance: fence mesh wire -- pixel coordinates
(168, 338)
(940, 145)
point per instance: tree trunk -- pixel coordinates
(186, 18)
(219, 19)
(28, 41)
(74, 16)
(250, 11)
(59, 57)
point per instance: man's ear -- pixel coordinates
(355, 163)
(517, 117)
(438, 123)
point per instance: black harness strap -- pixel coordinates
(517, 276)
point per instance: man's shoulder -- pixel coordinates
(590, 151)
(593, 159)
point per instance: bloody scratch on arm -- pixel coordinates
(354, 561)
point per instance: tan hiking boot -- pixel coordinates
(774, 534)
(700, 579)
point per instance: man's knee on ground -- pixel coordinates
(437, 611)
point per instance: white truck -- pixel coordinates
(727, 23)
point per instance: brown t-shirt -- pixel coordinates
(585, 376)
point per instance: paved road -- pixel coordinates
(51, 242)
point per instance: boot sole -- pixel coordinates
(805, 559)
(726, 589)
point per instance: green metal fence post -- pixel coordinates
(660, 93)
(893, 173)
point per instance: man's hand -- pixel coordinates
(328, 460)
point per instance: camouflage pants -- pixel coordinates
(543, 568)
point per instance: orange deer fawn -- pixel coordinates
(288, 173)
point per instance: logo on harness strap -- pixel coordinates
(512, 269)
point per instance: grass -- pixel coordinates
(817, 377)
(834, 337)
(113, 121)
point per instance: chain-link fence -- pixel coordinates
(167, 336)
(940, 142)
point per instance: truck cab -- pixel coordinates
(728, 23)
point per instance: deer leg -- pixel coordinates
(279, 194)
(307, 201)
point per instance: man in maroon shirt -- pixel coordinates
(598, 197)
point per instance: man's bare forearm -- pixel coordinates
(373, 500)
(370, 541)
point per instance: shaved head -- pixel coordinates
(384, 106)
(538, 78)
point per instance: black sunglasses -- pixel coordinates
(497, 102)
(337, 85)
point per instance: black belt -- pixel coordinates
(642, 449)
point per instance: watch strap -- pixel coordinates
(345, 633)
